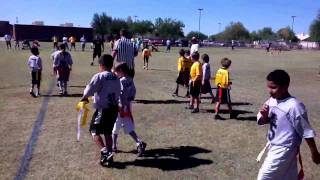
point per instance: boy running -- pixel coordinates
(105, 87)
(35, 65)
(125, 118)
(289, 124)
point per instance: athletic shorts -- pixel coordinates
(103, 120)
(125, 122)
(223, 95)
(280, 163)
(206, 87)
(35, 77)
(195, 88)
(63, 73)
(183, 78)
(96, 53)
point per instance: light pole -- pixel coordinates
(200, 9)
(135, 18)
(292, 22)
(219, 23)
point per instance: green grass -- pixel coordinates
(181, 145)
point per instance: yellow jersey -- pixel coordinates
(196, 70)
(222, 78)
(184, 64)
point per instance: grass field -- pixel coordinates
(181, 145)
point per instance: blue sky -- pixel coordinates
(254, 14)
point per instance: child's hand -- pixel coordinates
(316, 157)
(264, 110)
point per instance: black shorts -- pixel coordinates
(195, 88)
(183, 78)
(131, 73)
(206, 87)
(35, 77)
(223, 95)
(103, 121)
(96, 53)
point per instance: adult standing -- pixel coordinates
(97, 48)
(194, 45)
(7, 38)
(125, 51)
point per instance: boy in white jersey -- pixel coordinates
(206, 75)
(105, 87)
(289, 124)
(35, 65)
(125, 118)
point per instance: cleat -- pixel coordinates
(196, 110)
(141, 148)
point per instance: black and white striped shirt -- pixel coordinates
(125, 52)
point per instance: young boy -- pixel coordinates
(289, 124)
(146, 53)
(222, 81)
(105, 87)
(184, 66)
(125, 118)
(206, 75)
(195, 83)
(62, 64)
(35, 65)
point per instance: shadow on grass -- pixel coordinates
(58, 95)
(169, 101)
(155, 69)
(168, 159)
(237, 112)
(78, 86)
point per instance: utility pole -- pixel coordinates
(200, 9)
(292, 22)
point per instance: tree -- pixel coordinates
(101, 24)
(286, 34)
(266, 33)
(168, 28)
(234, 31)
(141, 27)
(254, 36)
(315, 29)
(117, 25)
(196, 34)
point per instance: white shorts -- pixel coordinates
(126, 122)
(279, 164)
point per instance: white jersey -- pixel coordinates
(194, 48)
(7, 37)
(105, 87)
(288, 122)
(34, 63)
(206, 73)
(82, 40)
(64, 40)
(128, 91)
(54, 54)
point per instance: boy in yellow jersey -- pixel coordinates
(146, 53)
(222, 81)
(195, 82)
(184, 66)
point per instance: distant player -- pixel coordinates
(125, 118)
(55, 42)
(289, 124)
(72, 41)
(195, 83)
(146, 54)
(97, 48)
(105, 88)
(63, 65)
(35, 65)
(83, 43)
(7, 38)
(223, 83)
(65, 41)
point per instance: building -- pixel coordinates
(5, 28)
(39, 23)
